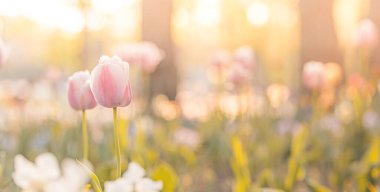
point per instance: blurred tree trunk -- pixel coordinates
(318, 36)
(156, 27)
(374, 15)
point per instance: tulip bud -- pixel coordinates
(313, 75)
(110, 82)
(79, 92)
(366, 35)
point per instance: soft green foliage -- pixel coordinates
(239, 165)
(309, 150)
(295, 161)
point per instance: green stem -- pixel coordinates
(117, 142)
(84, 135)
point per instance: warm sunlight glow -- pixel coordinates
(182, 18)
(258, 14)
(207, 13)
(110, 5)
(95, 21)
(65, 15)
(346, 15)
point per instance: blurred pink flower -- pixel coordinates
(239, 75)
(371, 120)
(219, 64)
(243, 63)
(366, 35)
(53, 74)
(146, 55)
(79, 91)
(245, 57)
(331, 123)
(110, 82)
(220, 59)
(313, 75)
(188, 137)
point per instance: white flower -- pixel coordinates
(45, 175)
(74, 178)
(33, 177)
(133, 181)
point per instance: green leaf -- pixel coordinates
(94, 179)
(294, 162)
(239, 165)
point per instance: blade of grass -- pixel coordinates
(94, 179)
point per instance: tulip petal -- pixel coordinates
(108, 84)
(127, 98)
(74, 91)
(87, 100)
(79, 92)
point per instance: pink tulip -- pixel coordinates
(79, 93)
(129, 53)
(245, 57)
(366, 35)
(313, 75)
(241, 70)
(239, 75)
(110, 82)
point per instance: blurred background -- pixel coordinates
(71, 34)
(197, 121)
